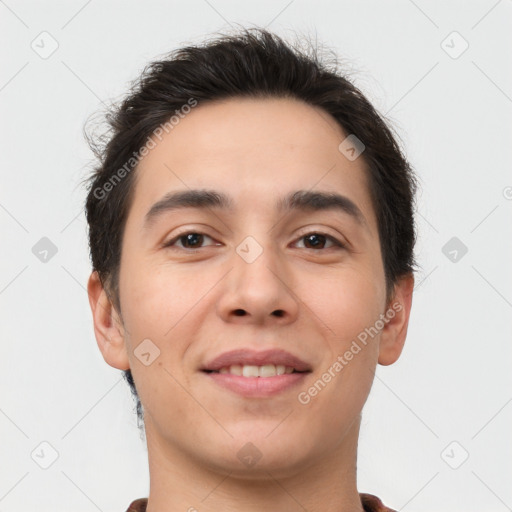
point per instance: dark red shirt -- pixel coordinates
(370, 504)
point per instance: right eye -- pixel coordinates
(189, 240)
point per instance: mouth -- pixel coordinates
(257, 374)
(264, 371)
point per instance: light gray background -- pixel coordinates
(453, 381)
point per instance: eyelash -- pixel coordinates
(335, 241)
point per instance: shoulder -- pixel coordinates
(138, 505)
(370, 504)
(373, 504)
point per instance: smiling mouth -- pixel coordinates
(251, 381)
(264, 371)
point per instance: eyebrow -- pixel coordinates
(302, 200)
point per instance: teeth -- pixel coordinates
(251, 371)
(267, 370)
(235, 369)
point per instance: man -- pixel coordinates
(251, 234)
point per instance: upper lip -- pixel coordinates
(257, 358)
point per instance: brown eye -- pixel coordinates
(190, 240)
(318, 241)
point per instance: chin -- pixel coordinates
(255, 456)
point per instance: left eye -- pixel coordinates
(193, 240)
(319, 239)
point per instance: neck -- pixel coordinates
(178, 482)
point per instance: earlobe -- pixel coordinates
(108, 326)
(398, 312)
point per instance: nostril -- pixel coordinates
(278, 312)
(239, 312)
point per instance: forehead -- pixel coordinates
(254, 150)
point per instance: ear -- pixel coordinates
(395, 330)
(108, 326)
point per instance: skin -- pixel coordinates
(186, 301)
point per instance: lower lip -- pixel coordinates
(257, 386)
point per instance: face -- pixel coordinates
(201, 281)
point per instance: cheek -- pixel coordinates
(155, 298)
(162, 302)
(346, 302)
(152, 307)
(157, 306)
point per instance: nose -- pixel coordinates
(258, 291)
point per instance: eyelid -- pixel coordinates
(176, 238)
(340, 244)
(306, 231)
